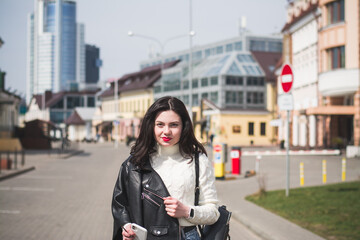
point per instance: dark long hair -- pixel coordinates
(146, 142)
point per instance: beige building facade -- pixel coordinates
(326, 86)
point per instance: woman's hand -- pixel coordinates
(175, 208)
(127, 232)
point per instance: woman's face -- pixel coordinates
(168, 127)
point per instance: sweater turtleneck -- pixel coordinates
(178, 175)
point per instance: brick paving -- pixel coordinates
(68, 198)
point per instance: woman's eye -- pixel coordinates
(174, 125)
(159, 124)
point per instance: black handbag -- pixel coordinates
(220, 229)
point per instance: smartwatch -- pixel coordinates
(191, 215)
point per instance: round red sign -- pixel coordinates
(217, 148)
(287, 78)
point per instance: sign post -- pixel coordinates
(287, 79)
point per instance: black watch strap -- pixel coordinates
(191, 213)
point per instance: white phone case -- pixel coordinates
(141, 233)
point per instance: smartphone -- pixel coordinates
(141, 233)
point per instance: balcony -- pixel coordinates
(339, 82)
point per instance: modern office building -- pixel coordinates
(93, 64)
(52, 43)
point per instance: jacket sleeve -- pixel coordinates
(207, 212)
(120, 202)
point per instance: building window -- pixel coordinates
(251, 128)
(204, 95)
(275, 46)
(207, 52)
(214, 97)
(229, 47)
(90, 101)
(238, 46)
(255, 97)
(262, 129)
(73, 102)
(254, 81)
(186, 99)
(214, 81)
(195, 83)
(236, 129)
(204, 82)
(186, 84)
(233, 97)
(157, 89)
(335, 11)
(195, 99)
(256, 45)
(59, 105)
(336, 57)
(230, 97)
(230, 80)
(219, 50)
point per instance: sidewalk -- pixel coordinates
(53, 153)
(233, 190)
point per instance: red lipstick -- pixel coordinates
(166, 139)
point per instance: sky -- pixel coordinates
(107, 23)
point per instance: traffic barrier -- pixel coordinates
(324, 171)
(257, 163)
(343, 169)
(302, 174)
(236, 160)
(220, 157)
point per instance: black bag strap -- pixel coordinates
(197, 188)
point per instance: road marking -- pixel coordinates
(48, 177)
(27, 189)
(9, 211)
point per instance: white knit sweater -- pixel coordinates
(178, 174)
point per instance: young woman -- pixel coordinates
(156, 184)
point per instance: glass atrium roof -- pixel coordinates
(235, 64)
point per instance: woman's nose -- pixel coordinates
(167, 130)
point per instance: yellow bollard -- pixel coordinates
(301, 174)
(343, 169)
(324, 171)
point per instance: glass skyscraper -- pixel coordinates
(51, 56)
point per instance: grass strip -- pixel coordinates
(331, 211)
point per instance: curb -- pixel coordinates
(292, 152)
(72, 154)
(13, 174)
(252, 227)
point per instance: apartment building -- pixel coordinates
(331, 116)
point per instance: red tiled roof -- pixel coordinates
(268, 60)
(139, 80)
(56, 97)
(312, 7)
(74, 119)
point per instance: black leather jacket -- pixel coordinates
(138, 199)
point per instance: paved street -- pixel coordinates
(68, 198)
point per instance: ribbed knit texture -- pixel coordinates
(178, 174)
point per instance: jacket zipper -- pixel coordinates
(152, 193)
(144, 195)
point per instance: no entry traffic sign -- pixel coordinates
(287, 78)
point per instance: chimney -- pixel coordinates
(2, 80)
(48, 95)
